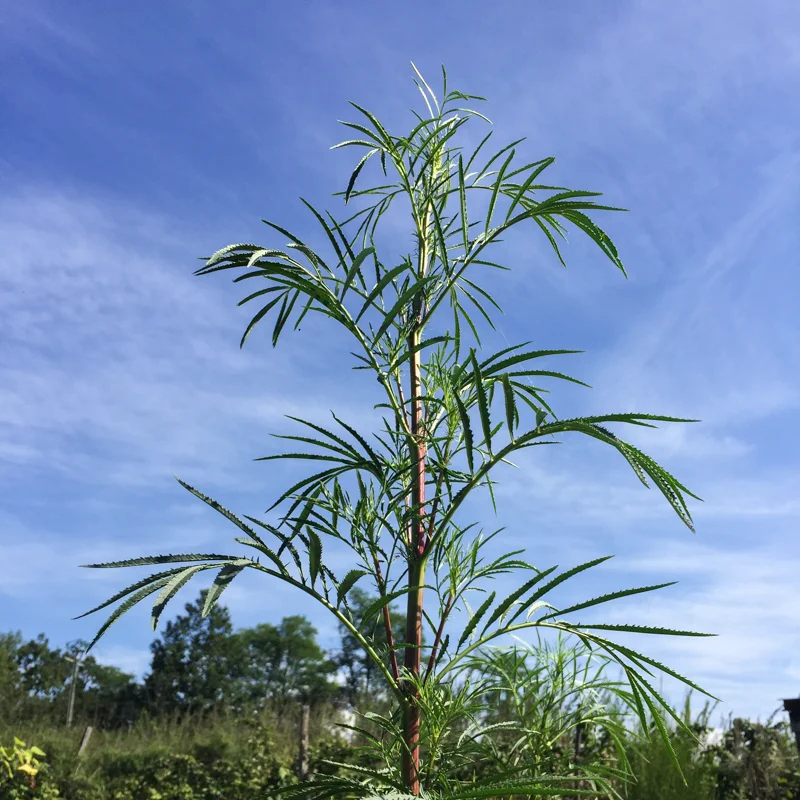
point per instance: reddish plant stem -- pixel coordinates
(387, 620)
(412, 658)
(438, 640)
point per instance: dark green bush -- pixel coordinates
(222, 765)
(758, 762)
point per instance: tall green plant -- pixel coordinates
(452, 414)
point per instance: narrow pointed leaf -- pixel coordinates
(220, 509)
(132, 588)
(354, 177)
(605, 598)
(391, 316)
(147, 561)
(510, 406)
(646, 629)
(314, 554)
(466, 429)
(565, 576)
(483, 406)
(126, 606)
(221, 583)
(514, 596)
(355, 268)
(380, 286)
(381, 602)
(348, 582)
(171, 589)
(475, 619)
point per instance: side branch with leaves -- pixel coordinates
(451, 413)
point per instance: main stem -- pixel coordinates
(416, 551)
(416, 544)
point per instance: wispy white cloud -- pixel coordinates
(747, 596)
(586, 486)
(712, 341)
(117, 369)
(118, 366)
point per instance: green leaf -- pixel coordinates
(409, 351)
(514, 596)
(462, 196)
(259, 316)
(220, 509)
(390, 317)
(355, 267)
(171, 589)
(564, 576)
(483, 406)
(633, 654)
(312, 255)
(373, 456)
(348, 582)
(467, 431)
(132, 588)
(511, 406)
(605, 598)
(544, 787)
(221, 583)
(148, 561)
(527, 184)
(475, 619)
(285, 543)
(377, 290)
(227, 250)
(262, 548)
(352, 182)
(379, 604)
(647, 629)
(662, 729)
(126, 606)
(351, 142)
(314, 554)
(497, 184)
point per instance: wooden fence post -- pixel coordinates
(302, 770)
(85, 740)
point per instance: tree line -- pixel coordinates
(198, 664)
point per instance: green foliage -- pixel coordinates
(199, 664)
(22, 773)
(283, 663)
(553, 708)
(654, 777)
(454, 416)
(193, 663)
(209, 772)
(758, 762)
(754, 761)
(547, 694)
(35, 679)
(362, 677)
(12, 692)
(205, 757)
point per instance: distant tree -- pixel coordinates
(111, 698)
(35, 680)
(285, 663)
(361, 674)
(43, 669)
(12, 694)
(194, 662)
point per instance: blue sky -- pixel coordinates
(135, 138)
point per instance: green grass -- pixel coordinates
(240, 756)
